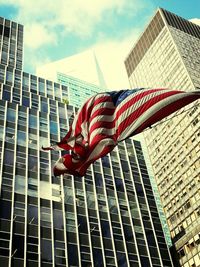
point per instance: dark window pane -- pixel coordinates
(46, 249)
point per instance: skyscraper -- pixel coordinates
(81, 73)
(107, 218)
(167, 55)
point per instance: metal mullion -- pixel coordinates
(1, 87)
(4, 42)
(1, 45)
(3, 144)
(13, 193)
(64, 221)
(26, 192)
(39, 103)
(100, 231)
(76, 220)
(51, 205)
(118, 207)
(88, 223)
(45, 91)
(109, 218)
(9, 45)
(53, 94)
(52, 233)
(38, 178)
(137, 201)
(62, 194)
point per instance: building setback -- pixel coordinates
(107, 218)
(167, 55)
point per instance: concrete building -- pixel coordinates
(167, 55)
(107, 218)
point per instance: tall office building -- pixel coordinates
(167, 55)
(107, 218)
(81, 73)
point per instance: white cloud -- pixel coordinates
(77, 16)
(36, 35)
(35, 59)
(195, 20)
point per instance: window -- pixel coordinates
(46, 249)
(19, 184)
(21, 138)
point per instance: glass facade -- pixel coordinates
(171, 59)
(107, 218)
(78, 90)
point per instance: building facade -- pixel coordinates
(167, 55)
(78, 90)
(107, 218)
(81, 73)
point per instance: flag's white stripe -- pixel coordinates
(102, 130)
(136, 105)
(105, 104)
(150, 112)
(59, 165)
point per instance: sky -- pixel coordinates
(55, 29)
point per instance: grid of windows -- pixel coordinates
(107, 218)
(78, 90)
(172, 61)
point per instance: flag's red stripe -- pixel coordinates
(83, 169)
(102, 124)
(102, 111)
(165, 111)
(100, 137)
(85, 113)
(138, 112)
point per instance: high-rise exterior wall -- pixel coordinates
(167, 55)
(11, 43)
(107, 218)
(78, 90)
(81, 73)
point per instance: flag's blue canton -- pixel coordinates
(119, 96)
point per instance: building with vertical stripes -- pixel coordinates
(167, 55)
(107, 218)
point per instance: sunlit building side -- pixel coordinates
(167, 55)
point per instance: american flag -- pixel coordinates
(108, 118)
